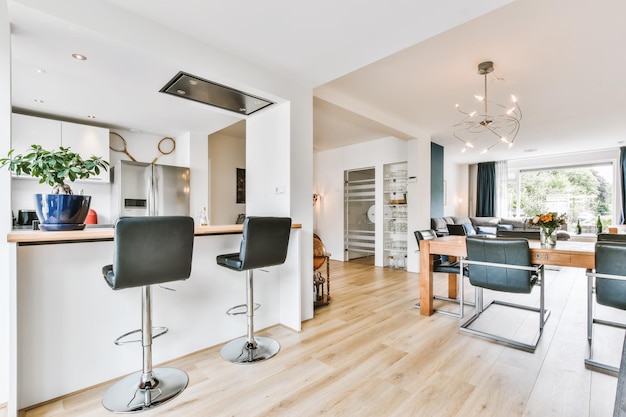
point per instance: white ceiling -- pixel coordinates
(377, 68)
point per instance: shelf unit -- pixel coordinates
(395, 214)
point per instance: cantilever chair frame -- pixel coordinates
(460, 282)
(480, 308)
(591, 289)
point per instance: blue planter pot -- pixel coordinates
(62, 211)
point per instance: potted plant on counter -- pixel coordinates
(61, 209)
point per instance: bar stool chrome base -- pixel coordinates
(126, 395)
(241, 351)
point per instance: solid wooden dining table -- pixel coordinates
(566, 253)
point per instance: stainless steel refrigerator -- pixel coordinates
(144, 189)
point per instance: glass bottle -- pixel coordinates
(204, 218)
(579, 229)
(599, 226)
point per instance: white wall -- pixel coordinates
(329, 167)
(6, 339)
(457, 181)
(268, 181)
(199, 173)
(226, 154)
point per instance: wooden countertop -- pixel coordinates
(91, 234)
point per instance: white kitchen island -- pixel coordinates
(64, 317)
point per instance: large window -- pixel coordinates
(582, 192)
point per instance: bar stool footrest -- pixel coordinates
(156, 332)
(241, 309)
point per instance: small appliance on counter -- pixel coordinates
(26, 217)
(92, 217)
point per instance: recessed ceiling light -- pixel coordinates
(619, 142)
(530, 150)
(36, 100)
(79, 57)
(39, 70)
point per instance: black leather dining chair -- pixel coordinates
(443, 265)
(503, 265)
(611, 237)
(608, 282)
(461, 230)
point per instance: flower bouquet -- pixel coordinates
(548, 224)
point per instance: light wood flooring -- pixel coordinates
(370, 353)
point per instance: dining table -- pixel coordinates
(566, 253)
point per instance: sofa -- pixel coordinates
(496, 226)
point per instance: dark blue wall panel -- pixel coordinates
(436, 180)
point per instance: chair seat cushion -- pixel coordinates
(447, 267)
(230, 260)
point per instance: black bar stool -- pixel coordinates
(265, 242)
(148, 250)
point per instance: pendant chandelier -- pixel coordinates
(496, 127)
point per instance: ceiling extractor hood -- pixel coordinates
(208, 92)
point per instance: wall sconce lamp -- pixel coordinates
(315, 198)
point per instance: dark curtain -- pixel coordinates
(622, 173)
(486, 189)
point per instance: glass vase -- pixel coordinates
(547, 237)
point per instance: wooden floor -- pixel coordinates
(370, 353)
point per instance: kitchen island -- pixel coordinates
(64, 317)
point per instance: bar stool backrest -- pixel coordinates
(499, 251)
(611, 260)
(151, 250)
(265, 242)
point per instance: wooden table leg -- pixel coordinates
(426, 279)
(452, 282)
(452, 286)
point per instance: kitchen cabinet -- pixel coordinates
(29, 130)
(50, 134)
(87, 141)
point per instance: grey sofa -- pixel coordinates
(496, 226)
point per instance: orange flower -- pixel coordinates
(548, 220)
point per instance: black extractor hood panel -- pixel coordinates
(195, 88)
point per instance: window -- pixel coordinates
(582, 192)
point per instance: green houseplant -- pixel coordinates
(61, 209)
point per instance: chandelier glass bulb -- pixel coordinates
(499, 126)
